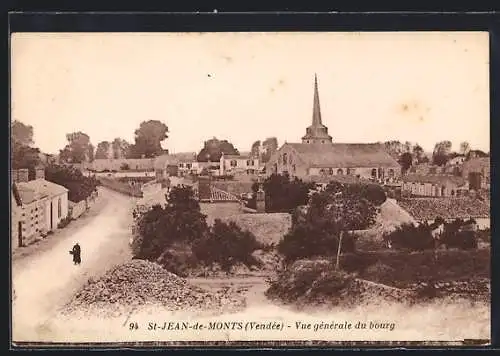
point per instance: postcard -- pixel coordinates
(287, 188)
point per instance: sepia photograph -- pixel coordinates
(204, 188)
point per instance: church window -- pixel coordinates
(330, 171)
(340, 172)
(284, 158)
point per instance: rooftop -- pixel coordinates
(425, 209)
(345, 155)
(435, 179)
(37, 189)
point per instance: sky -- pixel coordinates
(420, 87)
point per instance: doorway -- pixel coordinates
(51, 217)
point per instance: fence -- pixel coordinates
(124, 188)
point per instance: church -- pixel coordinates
(318, 157)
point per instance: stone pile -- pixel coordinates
(139, 283)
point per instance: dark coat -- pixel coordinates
(76, 252)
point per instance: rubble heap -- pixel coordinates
(140, 283)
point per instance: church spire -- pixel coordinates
(317, 132)
(316, 120)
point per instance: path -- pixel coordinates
(48, 280)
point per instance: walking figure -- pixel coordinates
(76, 252)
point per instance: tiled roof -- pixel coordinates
(447, 208)
(345, 155)
(339, 178)
(38, 189)
(434, 179)
(218, 195)
(184, 156)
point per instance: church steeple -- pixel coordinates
(316, 121)
(317, 132)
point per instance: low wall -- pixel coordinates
(78, 209)
(120, 187)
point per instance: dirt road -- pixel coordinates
(46, 281)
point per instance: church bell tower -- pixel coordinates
(317, 132)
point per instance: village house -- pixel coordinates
(317, 155)
(39, 206)
(121, 164)
(437, 185)
(165, 166)
(239, 164)
(479, 166)
(187, 164)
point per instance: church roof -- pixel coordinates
(345, 155)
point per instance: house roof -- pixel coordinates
(425, 209)
(339, 178)
(434, 179)
(184, 156)
(39, 188)
(477, 163)
(164, 160)
(217, 195)
(345, 155)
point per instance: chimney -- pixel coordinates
(204, 188)
(23, 175)
(40, 173)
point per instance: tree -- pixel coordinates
(441, 153)
(464, 148)
(148, 139)
(79, 186)
(180, 220)
(255, 150)
(283, 194)
(102, 150)
(79, 149)
(405, 160)
(213, 149)
(394, 148)
(22, 154)
(21, 134)
(418, 153)
(120, 148)
(476, 153)
(270, 145)
(226, 244)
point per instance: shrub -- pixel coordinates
(179, 221)
(124, 167)
(226, 244)
(414, 238)
(284, 194)
(79, 186)
(64, 222)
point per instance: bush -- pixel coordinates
(414, 238)
(374, 193)
(79, 186)
(226, 244)
(124, 167)
(179, 221)
(64, 222)
(284, 194)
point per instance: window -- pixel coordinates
(322, 171)
(294, 168)
(340, 172)
(188, 165)
(234, 163)
(374, 173)
(285, 159)
(181, 165)
(391, 173)
(322, 141)
(348, 171)
(330, 171)
(250, 162)
(59, 208)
